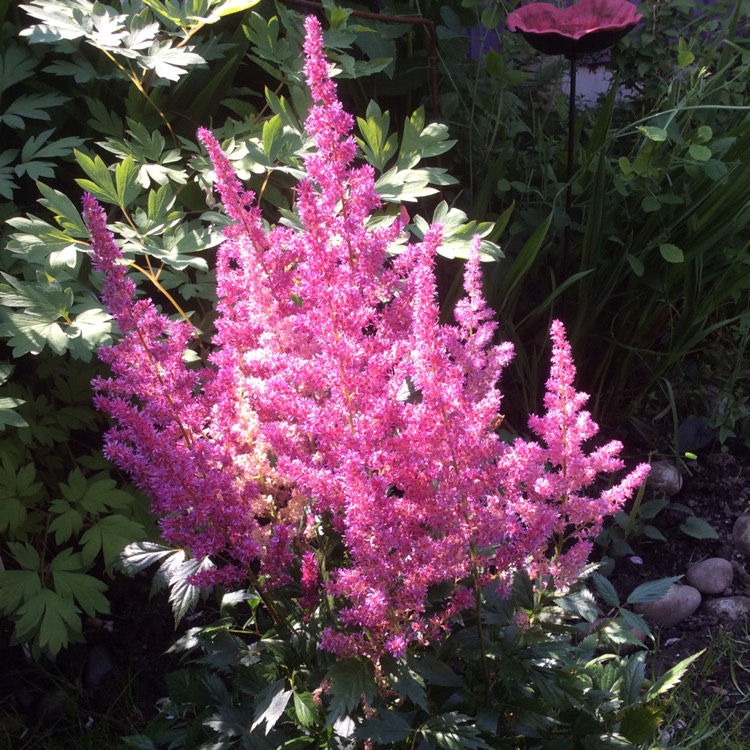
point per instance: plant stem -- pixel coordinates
(569, 172)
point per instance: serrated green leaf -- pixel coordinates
(453, 731)
(640, 724)
(139, 556)
(270, 704)
(305, 710)
(387, 728)
(632, 671)
(651, 591)
(671, 677)
(51, 618)
(352, 680)
(405, 681)
(176, 572)
(606, 590)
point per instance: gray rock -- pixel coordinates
(711, 576)
(678, 603)
(664, 477)
(729, 607)
(741, 534)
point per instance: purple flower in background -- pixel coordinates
(587, 26)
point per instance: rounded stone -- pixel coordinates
(677, 603)
(741, 534)
(711, 576)
(729, 607)
(665, 477)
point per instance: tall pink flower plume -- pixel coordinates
(335, 402)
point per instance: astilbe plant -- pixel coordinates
(334, 403)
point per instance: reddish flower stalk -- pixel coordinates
(319, 334)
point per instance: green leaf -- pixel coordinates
(37, 149)
(635, 264)
(126, 182)
(306, 711)
(16, 65)
(25, 555)
(139, 556)
(651, 591)
(110, 535)
(228, 7)
(86, 590)
(640, 724)
(606, 590)
(698, 528)
(16, 587)
(653, 133)
(650, 203)
(652, 532)
(650, 509)
(387, 728)
(671, 253)
(51, 618)
(101, 185)
(352, 680)
(30, 107)
(436, 672)
(271, 703)
(405, 681)
(670, 678)
(63, 209)
(67, 522)
(453, 731)
(272, 129)
(378, 147)
(697, 152)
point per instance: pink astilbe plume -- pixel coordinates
(334, 402)
(205, 490)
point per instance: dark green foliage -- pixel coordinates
(657, 235)
(543, 670)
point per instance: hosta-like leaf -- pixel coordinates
(698, 528)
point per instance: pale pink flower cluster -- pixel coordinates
(335, 402)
